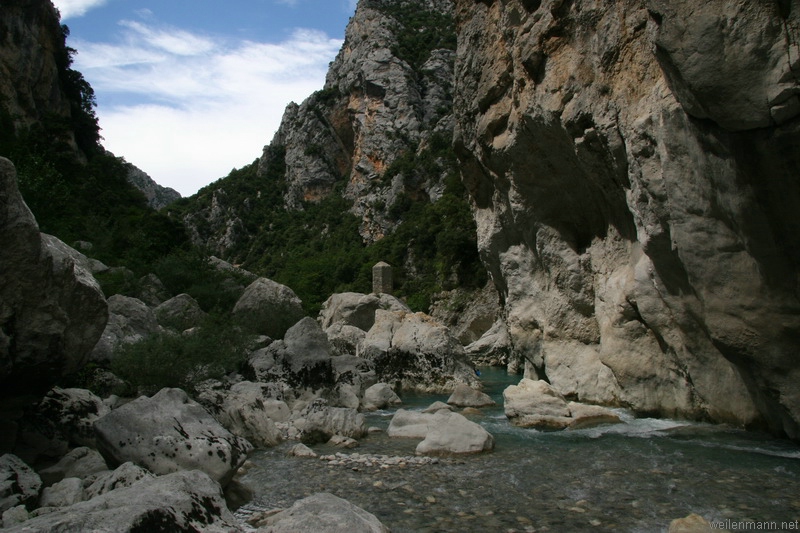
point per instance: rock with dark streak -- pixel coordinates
(634, 179)
(168, 433)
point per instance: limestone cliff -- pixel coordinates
(31, 45)
(157, 195)
(634, 170)
(388, 93)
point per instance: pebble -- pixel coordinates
(372, 461)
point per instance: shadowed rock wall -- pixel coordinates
(634, 169)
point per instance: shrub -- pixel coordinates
(212, 351)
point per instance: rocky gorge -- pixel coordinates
(631, 172)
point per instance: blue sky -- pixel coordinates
(189, 89)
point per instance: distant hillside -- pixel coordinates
(157, 195)
(361, 171)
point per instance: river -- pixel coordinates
(633, 477)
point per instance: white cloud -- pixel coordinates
(210, 104)
(76, 8)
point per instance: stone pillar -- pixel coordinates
(382, 278)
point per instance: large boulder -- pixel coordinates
(180, 313)
(537, 404)
(19, 484)
(62, 419)
(379, 396)
(64, 493)
(152, 290)
(78, 463)
(356, 309)
(466, 396)
(318, 422)
(322, 513)
(415, 352)
(268, 308)
(248, 410)
(125, 475)
(170, 432)
(301, 359)
(130, 320)
(73, 413)
(181, 501)
(455, 435)
(414, 424)
(443, 432)
(52, 311)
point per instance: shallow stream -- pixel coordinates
(633, 477)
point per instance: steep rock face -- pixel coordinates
(157, 195)
(380, 101)
(635, 188)
(375, 106)
(29, 84)
(52, 311)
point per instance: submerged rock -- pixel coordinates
(693, 523)
(466, 396)
(322, 513)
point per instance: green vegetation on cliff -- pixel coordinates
(76, 189)
(419, 30)
(318, 251)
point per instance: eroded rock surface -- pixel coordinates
(635, 189)
(322, 512)
(181, 501)
(170, 432)
(415, 352)
(52, 310)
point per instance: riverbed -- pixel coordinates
(633, 477)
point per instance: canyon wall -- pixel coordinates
(636, 182)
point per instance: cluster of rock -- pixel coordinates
(174, 461)
(359, 460)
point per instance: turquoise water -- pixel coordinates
(635, 477)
